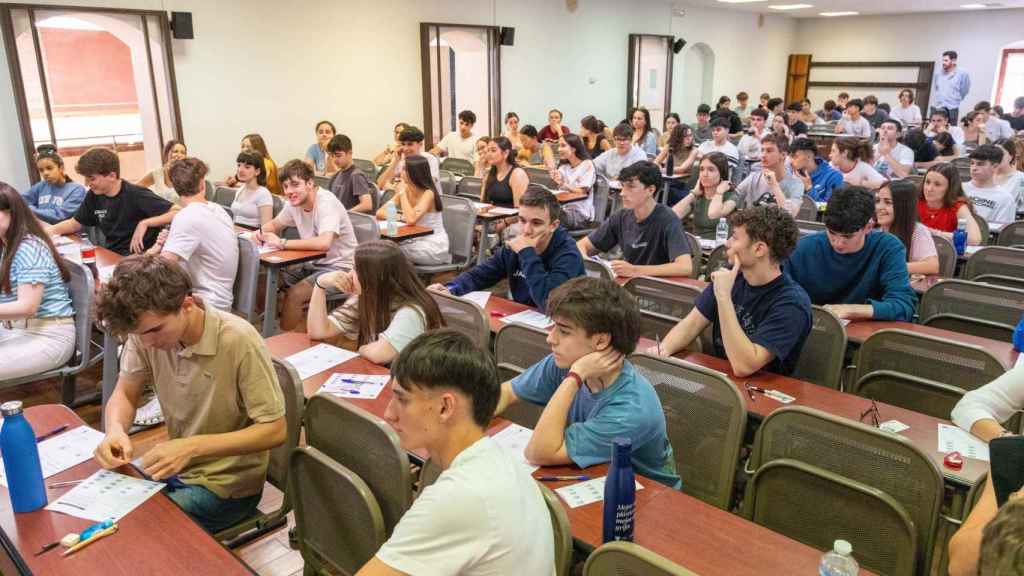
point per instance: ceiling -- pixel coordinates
(864, 7)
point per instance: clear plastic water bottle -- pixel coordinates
(839, 561)
(21, 459)
(721, 232)
(620, 493)
(960, 236)
(1018, 336)
(392, 216)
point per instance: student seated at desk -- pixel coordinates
(611, 162)
(253, 205)
(760, 316)
(323, 226)
(713, 197)
(852, 271)
(33, 295)
(317, 155)
(590, 392)
(460, 144)
(55, 197)
(421, 205)
(530, 152)
(202, 235)
(505, 181)
(819, 178)
(349, 184)
(896, 213)
(388, 306)
(772, 184)
(993, 202)
(576, 175)
(941, 204)
(214, 380)
(484, 515)
(982, 544)
(649, 233)
(412, 144)
(129, 217)
(159, 180)
(538, 260)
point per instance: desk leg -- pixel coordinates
(111, 366)
(270, 304)
(485, 231)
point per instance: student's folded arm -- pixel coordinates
(585, 246)
(540, 281)
(318, 324)
(681, 266)
(321, 243)
(684, 332)
(929, 265)
(898, 298)
(380, 351)
(745, 356)
(377, 567)
(981, 410)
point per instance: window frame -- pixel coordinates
(1006, 52)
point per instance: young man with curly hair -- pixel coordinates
(760, 317)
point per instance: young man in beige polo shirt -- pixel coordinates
(215, 383)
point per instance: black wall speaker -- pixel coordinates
(508, 36)
(677, 46)
(181, 25)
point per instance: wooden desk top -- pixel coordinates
(156, 534)
(487, 215)
(498, 307)
(859, 331)
(566, 197)
(282, 258)
(921, 284)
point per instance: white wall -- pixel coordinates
(276, 68)
(977, 36)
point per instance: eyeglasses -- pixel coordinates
(873, 411)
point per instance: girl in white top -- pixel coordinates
(896, 213)
(1007, 175)
(420, 204)
(158, 180)
(576, 175)
(511, 131)
(981, 411)
(253, 205)
(907, 112)
(852, 157)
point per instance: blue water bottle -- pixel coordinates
(960, 236)
(21, 459)
(1018, 336)
(620, 493)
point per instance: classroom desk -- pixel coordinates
(566, 197)
(274, 262)
(498, 307)
(859, 330)
(486, 218)
(407, 232)
(921, 284)
(156, 537)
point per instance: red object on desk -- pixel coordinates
(953, 460)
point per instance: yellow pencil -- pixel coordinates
(95, 537)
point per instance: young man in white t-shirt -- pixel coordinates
(995, 127)
(410, 142)
(461, 143)
(203, 235)
(992, 202)
(892, 159)
(750, 143)
(853, 123)
(323, 226)
(484, 515)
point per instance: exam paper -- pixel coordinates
(105, 495)
(71, 252)
(60, 240)
(499, 211)
(63, 451)
(583, 493)
(358, 386)
(953, 439)
(383, 224)
(513, 440)
(318, 358)
(479, 297)
(530, 318)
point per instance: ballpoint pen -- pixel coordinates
(52, 433)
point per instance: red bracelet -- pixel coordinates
(575, 376)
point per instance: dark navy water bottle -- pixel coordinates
(620, 493)
(960, 236)
(21, 460)
(1018, 336)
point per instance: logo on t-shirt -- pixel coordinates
(100, 214)
(983, 202)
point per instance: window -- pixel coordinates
(89, 77)
(650, 76)
(461, 71)
(1011, 78)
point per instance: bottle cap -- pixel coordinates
(622, 446)
(11, 408)
(842, 547)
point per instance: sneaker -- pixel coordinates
(150, 413)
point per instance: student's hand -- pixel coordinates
(723, 187)
(725, 278)
(167, 459)
(623, 268)
(884, 148)
(271, 239)
(436, 287)
(139, 237)
(806, 179)
(556, 176)
(232, 181)
(598, 363)
(114, 450)
(842, 311)
(697, 191)
(342, 280)
(523, 241)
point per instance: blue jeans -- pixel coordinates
(211, 511)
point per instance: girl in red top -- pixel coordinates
(942, 202)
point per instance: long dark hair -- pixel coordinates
(388, 283)
(954, 189)
(510, 156)
(578, 148)
(904, 211)
(647, 121)
(677, 138)
(253, 159)
(720, 162)
(169, 145)
(418, 169)
(22, 224)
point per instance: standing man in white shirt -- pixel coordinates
(892, 159)
(484, 514)
(949, 87)
(992, 202)
(460, 143)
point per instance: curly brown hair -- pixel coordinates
(769, 224)
(599, 306)
(140, 284)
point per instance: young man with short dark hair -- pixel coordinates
(461, 143)
(892, 159)
(410, 142)
(349, 183)
(649, 233)
(590, 392)
(950, 86)
(720, 143)
(995, 127)
(623, 153)
(760, 316)
(852, 123)
(938, 122)
(842, 99)
(750, 144)
(852, 271)
(772, 184)
(1016, 119)
(819, 178)
(129, 216)
(214, 380)
(991, 201)
(484, 514)
(796, 125)
(702, 129)
(776, 107)
(872, 113)
(539, 259)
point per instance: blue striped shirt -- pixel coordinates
(33, 264)
(948, 90)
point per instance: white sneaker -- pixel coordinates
(150, 414)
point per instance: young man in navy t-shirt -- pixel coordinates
(761, 317)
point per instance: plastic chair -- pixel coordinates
(448, 182)
(458, 166)
(278, 467)
(561, 529)
(986, 234)
(808, 227)
(247, 279)
(813, 503)
(715, 260)
(469, 187)
(367, 446)
(225, 196)
(663, 297)
(323, 182)
(972, 308)
(516, 348)
(367, 167)
(464, 316)
(1012, 234)
(696, 255)
(947, 256)
(821, 360)
(999, 265)
(595, 269)
(705, 418)
(808, 209)
(459, 217)
(365, 227)
(278, 204)
(540, 176)
(629, 559)
(600, 199)
(338, 521)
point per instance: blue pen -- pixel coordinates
(561, 478)
(92, 530)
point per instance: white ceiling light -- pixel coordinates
(972, 6)
(739, 1)
(833, 14)
(791, 6)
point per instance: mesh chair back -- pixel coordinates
(561, 529)
(367, 167)
(1012, 234)
(982, 226)
(600, 200)
(716, 259)
(972, 308)
(294, 403)
(448, 182)
(816, 506)
(947, 256)
(459, 220)
(629, 559)
(992, 262)
(821, 360)
(808, 209)
(886, 462)
(225, 196)
(705, 417)
(464, 316)
(663, 297)
(808, 227)
(365, 227)
(516, 348)
(209, 190)
(922, 395)
(323, 182)
(247, 279)
(595, 269)
(337, 519)
(457, 166)
(469, 187)
(540, 176)
(366, 445)
(278, 204)
(696, 254)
